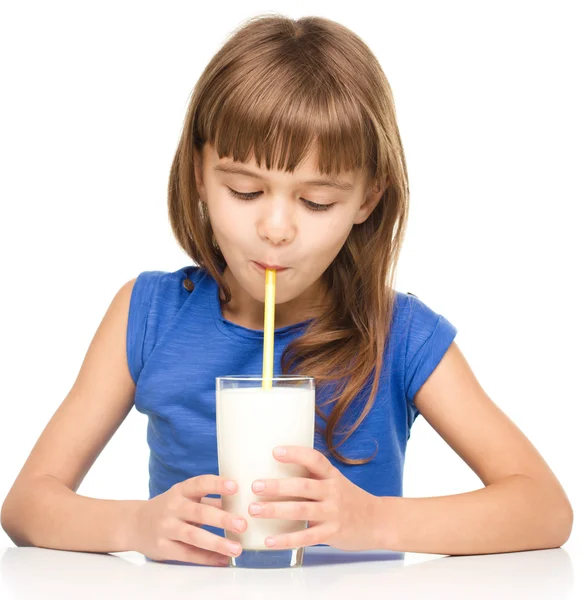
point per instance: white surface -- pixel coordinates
(276, 417)
(326, 574)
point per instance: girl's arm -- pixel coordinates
(42, 507)
(521, 507)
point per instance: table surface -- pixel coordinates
(326, 573)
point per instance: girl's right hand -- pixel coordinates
(167, 526)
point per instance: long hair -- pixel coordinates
(277, 87)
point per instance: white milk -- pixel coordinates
(250, 423)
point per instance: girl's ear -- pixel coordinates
(368, 205)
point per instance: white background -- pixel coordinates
(487, 99)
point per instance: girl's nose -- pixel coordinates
(277, 224)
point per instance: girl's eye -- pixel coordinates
(308, 204)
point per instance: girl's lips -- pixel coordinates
(263, 267)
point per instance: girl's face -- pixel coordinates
(299, 221)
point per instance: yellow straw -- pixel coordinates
(268, 355)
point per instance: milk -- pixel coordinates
(250, 422)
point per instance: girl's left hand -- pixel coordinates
(340, 513)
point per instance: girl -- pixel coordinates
(290, 158)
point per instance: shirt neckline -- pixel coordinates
(229, 327)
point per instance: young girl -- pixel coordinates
(290, 158)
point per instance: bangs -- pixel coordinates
(280, 118)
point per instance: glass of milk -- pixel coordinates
(250, 422)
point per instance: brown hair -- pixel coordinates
(275, 88)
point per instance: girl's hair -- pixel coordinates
(277, 87)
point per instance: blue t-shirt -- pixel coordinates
(178, 342)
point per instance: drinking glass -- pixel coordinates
(251, 420)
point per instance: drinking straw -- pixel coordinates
(268, 354)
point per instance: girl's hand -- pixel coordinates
(340, 513)
(166, 527)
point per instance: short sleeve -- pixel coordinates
(141, 297)
(430, 335)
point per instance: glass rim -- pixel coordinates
(260, 378)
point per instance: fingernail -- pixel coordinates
(278, 451)
(234, 549)
(230, 485)
(269, 542)
(255, 509)
(239, 524)
(258, 486)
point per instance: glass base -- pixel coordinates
(268, 559)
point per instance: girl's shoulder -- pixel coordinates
(156, 298)
(163, 292)
(168, 283)
(414, 316)
(425, 335)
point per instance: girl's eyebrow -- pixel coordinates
(323, 181)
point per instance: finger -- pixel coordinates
(293, 487)
(200, 538)
(187, 553)
(202, 485)
(293, 511)
(211, 501)
(203, 514)
(299, 539)
(317, 463)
